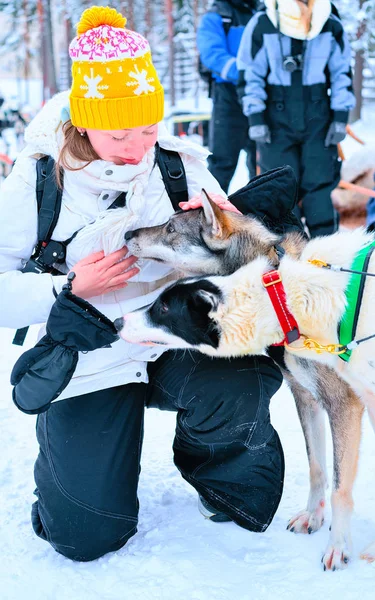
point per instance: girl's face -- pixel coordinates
(123, 146)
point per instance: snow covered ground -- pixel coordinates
(176, 553)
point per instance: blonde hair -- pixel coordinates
(75, 147)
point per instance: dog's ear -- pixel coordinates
(212, 214)
(206, 299)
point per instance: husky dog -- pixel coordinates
(211, 241)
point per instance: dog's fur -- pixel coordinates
(212, 241)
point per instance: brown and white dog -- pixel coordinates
(237, 319)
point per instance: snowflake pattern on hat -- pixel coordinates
(93, 86)
(141, 81)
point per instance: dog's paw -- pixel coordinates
(336, 556)
(369, 554)
(307, 521)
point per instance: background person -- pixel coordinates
(218, 39)
(296, 89)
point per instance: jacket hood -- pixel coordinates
(291, 17)
(44, 134)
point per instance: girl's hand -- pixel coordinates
(221, 201)
(98, 274)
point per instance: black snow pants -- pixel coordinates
(299, 118)
(225, 446)
(228, 135)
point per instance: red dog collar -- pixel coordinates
(274, 286)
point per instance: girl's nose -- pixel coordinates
(134, 146)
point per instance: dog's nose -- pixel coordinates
(129, 235)
(119, 323)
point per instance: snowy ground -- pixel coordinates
(176, 553)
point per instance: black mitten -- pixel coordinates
(336, 133)
(272, 198)
(43, 372)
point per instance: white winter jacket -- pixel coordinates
(26, 298)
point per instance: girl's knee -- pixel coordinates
(85, 537)
(92, 549)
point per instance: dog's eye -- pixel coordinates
(164, 308)
(170, 228)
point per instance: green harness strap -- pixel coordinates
(354, 294)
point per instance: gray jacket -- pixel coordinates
(326, 62)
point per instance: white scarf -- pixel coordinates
(108, 230)
(289, 17)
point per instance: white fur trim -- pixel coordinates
(289, 15)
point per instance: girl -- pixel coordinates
(103, 138)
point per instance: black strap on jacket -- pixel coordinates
(173, 173)
(49, 197)
(174, 177)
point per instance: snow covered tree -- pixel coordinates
(169, 25)
(20, 20)
(358, 17)
(22, 16)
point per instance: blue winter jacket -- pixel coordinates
(217, 50)
(260, 58)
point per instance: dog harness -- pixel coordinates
(354, 295)
(348, 325)
(276, 292)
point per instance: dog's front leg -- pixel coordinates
(345, 420)
(312, 420)
(369, 553)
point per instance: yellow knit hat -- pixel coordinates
(115, 84)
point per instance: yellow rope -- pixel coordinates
(310, 344)
(318, 263)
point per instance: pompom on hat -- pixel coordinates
(115, 84)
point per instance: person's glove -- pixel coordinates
(43, 372)
(336, 133)
(271, 197)
(260, 134)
